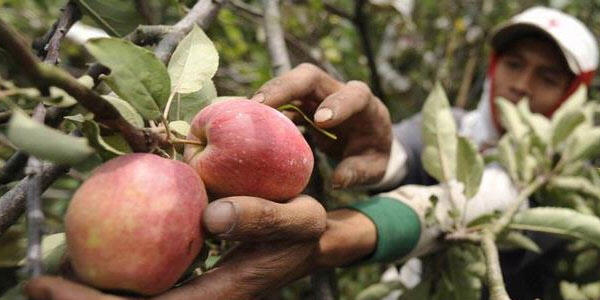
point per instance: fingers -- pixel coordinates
(338, 107)
(359, 170)
(303, 81)
(56, 288)
(249, 271)
(255, 219)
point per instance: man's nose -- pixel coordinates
(521, 85)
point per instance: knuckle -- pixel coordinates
(308, 67)
(360, 86)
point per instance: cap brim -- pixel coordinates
(506, 33)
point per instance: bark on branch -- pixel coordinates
(280, 60)
(49, 45)
(44, 75)
(202, 14)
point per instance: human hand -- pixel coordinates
(359, 119)
(281, 242)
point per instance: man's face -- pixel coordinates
(533, 68)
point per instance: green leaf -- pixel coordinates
(575, 103)
(563, 127)
(584, 144)
(13, 245)
(571, 291)
(439, 136)
(575, 183)
(379, 290)
(560, 221)
(137, 76)
(585, 262)
(53, 249)
(515, 239)
(126, 110)
(539, 125)
(91, 130)
(194, 62)
(117, 17)
(510, 118)
(44, 142)
(186, 106)
(469, 166)
(180, 127)
(507, 157)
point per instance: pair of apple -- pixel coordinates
(135, 223)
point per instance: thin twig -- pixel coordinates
(12, 203)
(465, 85)
(10, 171)
(494, 273)
(49, 45)
(44, 75)
(35, 216)
(298, 49)
(202, 14)
(360, 20)
(504, 220)
(280, 60)
(145, 10)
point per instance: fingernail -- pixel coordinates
(219, 217)
(323, 114)
(260, 97)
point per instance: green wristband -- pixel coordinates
(398, 227)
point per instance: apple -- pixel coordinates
(248, 149)
(134, 225)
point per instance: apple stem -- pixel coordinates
(298, 110)
(183, 141)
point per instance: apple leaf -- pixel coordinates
(439, 136)
(116, 17)
(574, 103)
(186, 106)
(126, 110)
(469, 167)
(137, 76)
(91, 130)
(565, 125)
(539, 125)
(180, 127)
(515, 239)
(194, 62)
(561, 221)
(506, 155)
(46, 143)
(510, 118)
(583, 144)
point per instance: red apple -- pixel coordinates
(248, 149)
(135, 224)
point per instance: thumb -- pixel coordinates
(359, 170)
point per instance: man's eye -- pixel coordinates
(513, 64)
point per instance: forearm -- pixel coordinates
(350, 236)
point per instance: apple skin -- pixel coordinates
(134, 225)
(250, 149)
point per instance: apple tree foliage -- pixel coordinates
(431, 40)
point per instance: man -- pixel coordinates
(541, 54)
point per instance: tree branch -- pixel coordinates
(12, 203)
(35, 216)
(387, 50)
(144, 8)
(280, 59)
(49, 45)
(13, 167)
(44, 75)
(492, 262)
(202, 14)
(360, 21)
(465, 85)
(298, 49)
